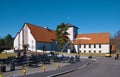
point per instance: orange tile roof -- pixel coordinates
(95, 38)
(41, 34)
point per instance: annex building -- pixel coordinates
(38, 37)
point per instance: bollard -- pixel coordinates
(0, 74)
(58, 65)
(43, 68)
(24, 71)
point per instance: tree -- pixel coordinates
(116, 41)
(8, 41)
(62, 34)
(2, 45)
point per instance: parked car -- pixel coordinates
(107, 55)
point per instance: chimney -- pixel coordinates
(46, 27)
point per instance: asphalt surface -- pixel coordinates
(102, 67)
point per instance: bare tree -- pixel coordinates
(116, 41)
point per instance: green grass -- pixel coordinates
(6, 55)
(86, 54)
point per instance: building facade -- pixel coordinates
(41, 37)
(36, 37)
(97, 43)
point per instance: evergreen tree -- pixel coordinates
(2, 45)
(6, 43)
(62, 34)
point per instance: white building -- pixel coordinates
(98, 43)
(38, 37)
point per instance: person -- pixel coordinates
(43, 47)
(117, 56)
(52, 53)
(18, 54)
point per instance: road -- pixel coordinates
(102, 67)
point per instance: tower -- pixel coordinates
(72, 30)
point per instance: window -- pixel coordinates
(99, 51)
(89, 46)
(89, 51)
(79, 50)
(94, 46)
(99, 45)
(79, 46)
(84, 46)
(84, 51)
(94, 51)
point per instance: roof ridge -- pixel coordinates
(41, 34)
(94, 33)
(38, 26)
(34, 25)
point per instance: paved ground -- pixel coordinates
(102, 67)
(51, 70)
(65, 69)
(19, 69)
(32, 70)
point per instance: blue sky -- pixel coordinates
(91, 16)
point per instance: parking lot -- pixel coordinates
(19, 69)
(34, 64)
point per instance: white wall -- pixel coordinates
(105, 48)
(72, 32)
(27, 37)
(18, 41)
(31, 41)
(15, 45)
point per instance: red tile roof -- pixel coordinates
(41, 34)
(94, 38)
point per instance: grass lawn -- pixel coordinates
(6, 55)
